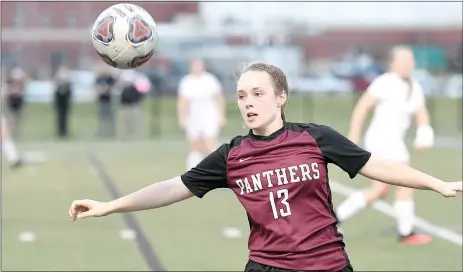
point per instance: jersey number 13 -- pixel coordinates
(282, 197)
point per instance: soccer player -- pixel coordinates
(396, 98)
(9, 148)
(279, 173)
(16, 82)
(201, 111)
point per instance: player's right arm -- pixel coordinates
(210, 174)
(182, 105)
(360, 112)
(156, 195)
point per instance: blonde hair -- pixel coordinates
(398, 48)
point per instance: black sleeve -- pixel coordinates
(209, 174)
(340, 151)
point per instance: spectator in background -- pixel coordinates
(14, 96)
(133, 87)
(104, 86)
(9, 150)
(62, 100)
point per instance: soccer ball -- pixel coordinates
(125, 36)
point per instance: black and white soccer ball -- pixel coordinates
(125, 36)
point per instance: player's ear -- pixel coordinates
(281, 98)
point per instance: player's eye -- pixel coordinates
(240, 97)
(258, 93)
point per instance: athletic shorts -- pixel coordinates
(386, 149)
(196, 129)
(253, 266)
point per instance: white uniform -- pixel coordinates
(203, 112)
(392, 116)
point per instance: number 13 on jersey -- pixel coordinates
(281, 196)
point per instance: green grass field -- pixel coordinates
(188, 235)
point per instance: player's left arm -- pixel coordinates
(221, 102)
(340, 151)
(402, 175)
(424, 137)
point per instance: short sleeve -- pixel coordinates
(340, 151)
(216, 86)
(209, 174)
(375, 89)
(182, 88)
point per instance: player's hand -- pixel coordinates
(424, 138)
(89, 208)
(450, 189)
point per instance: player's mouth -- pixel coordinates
(250, 116)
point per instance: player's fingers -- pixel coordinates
(83, 215)
(457, 186)
(77, 203)
(452, 194)
(75, 207)
(71, 212)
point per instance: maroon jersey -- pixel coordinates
(282, 182)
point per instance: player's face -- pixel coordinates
(404, 62)
(197, 67)
(257, 100)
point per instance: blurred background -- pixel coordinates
(330, 53)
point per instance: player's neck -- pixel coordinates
(269, 129)
(197, 74)
(402, 75)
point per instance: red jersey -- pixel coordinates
(282, 182)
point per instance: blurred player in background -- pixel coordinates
(134, 86)
(8, 146)
(396, 99)
(62, 101)
(104, 85)
(201, 111)
(14, 97)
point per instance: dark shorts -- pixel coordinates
(252, 266)
(15, 103)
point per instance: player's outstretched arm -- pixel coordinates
(405, 176)
(156, 195)
(363, 106)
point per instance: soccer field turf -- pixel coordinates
(188, 235)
